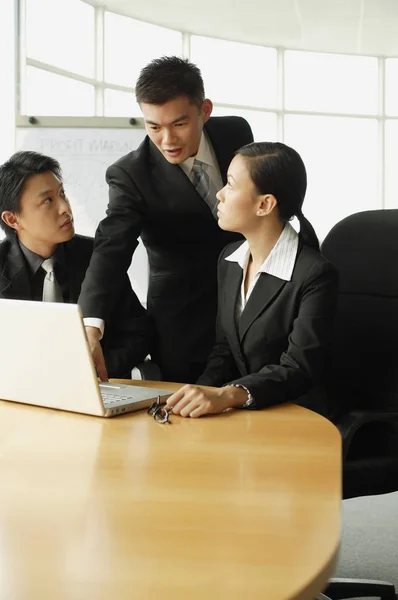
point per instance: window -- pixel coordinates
(120, 104)
(53, 95)
(263, 124)
(130, 45)
(341, 158)
(331, 83)
(61, 34)
(392, 87)
(231, 71)
(341, 153)
(391, 172)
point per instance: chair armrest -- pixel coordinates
(360, 588)
(352, 421)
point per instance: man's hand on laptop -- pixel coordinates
(93, 336)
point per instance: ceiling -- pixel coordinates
(347, 26)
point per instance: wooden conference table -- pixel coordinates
(244, 505)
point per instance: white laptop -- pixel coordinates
(45, 360)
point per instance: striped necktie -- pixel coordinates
(204, 186)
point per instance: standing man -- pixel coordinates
(165, 192)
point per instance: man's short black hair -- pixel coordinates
(13, 175)
(167, 78)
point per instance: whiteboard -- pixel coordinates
(84, 155)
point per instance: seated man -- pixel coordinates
(41, 258)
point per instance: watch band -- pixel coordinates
(250, 399)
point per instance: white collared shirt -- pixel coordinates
(279, 263)
(207, 156)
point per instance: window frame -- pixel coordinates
(99, 84)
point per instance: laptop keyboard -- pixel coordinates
(111, 398)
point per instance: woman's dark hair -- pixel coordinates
(13, 175)
(168, 78)
(279, 170)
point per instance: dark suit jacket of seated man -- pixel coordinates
(126, 341)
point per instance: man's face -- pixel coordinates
(176, 127)
(45, 217)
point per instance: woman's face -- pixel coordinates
(238, 199)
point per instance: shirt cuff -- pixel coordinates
(250, 399)
(93, 322)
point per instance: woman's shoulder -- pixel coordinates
(311, 262)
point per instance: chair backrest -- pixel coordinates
(364, 249)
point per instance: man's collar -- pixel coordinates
(35, 260)
(203, 154)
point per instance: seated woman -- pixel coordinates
(277, 293)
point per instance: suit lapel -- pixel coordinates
(264, 292)
(74, 281)
(14, 278)
(177, 187)
(232, 286)
(222, 150)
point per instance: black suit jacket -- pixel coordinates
(278, 347)
(127, 337)
(151, 198)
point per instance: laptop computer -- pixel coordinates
(45, 360)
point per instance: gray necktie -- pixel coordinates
(51, 290)
(204, 186)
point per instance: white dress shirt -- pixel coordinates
(279, 263)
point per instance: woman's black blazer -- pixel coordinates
(278, 346)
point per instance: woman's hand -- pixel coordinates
(193, 401)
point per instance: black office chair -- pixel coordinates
(364, 364)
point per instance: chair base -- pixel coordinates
(343, 589)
